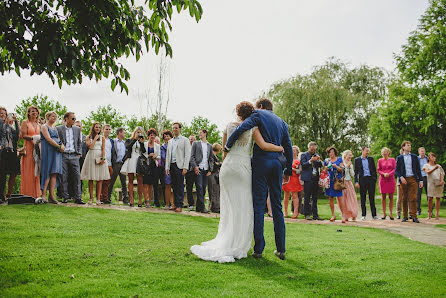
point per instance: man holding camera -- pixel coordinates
(311, 163)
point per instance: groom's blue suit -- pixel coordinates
(267, 173)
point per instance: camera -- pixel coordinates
(10, 116)
(140, 136)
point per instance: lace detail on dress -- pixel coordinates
(244, 142)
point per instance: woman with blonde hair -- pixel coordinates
(95, 167)
(51, 156)
(386, 171)
(435, 183)
(30, 131)
(134, 148)
(349, 194)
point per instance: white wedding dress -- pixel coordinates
(235, 229)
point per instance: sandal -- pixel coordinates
(333, 218)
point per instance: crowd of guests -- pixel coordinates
(339, 175)
(60, 157)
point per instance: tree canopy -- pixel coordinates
(416, 107)
(71, 40)
(104, 115)
(200, 122)
(332, 105)
(43, 103)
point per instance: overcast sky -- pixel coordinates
(238, 50)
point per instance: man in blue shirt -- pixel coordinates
(365, 180)
(118, 153)
(422, 158)
(409, 174)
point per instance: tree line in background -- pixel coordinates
(109, 115)
(351, 107)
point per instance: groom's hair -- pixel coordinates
(264, 103)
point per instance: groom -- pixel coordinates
(267, 171)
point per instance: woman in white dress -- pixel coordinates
(235, 229)
(134, 148)
(435, 184)
(95, 168)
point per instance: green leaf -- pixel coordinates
(17, 70)
(113, 84)
(59, 82)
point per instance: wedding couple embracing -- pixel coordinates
(245, 184)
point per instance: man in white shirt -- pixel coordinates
(118, 152)
(70, 136)
(201, 163)
(177, 163)
(109, 144)
(423, 160)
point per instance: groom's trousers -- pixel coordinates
(267, 176)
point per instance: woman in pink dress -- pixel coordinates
(349, 195)
(30, 131)
(386, 171)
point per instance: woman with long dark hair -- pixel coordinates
(95, 167)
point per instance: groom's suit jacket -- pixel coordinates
(273, 129)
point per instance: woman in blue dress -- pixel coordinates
(51, 156)
(334, 166)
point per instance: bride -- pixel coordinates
(235, 229)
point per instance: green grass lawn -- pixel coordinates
(441, 226)
(59, 251)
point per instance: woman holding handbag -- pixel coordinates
(435, 183)
(349, 198)
(9, 161)
(95, 168)
(134, 147)
(334, 166)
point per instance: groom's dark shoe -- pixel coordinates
(256, 255)
(317, 218)
(280, 255)
(307, 217)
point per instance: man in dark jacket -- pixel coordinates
(409, 174)
(365, 180)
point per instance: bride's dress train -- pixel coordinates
(235, 229)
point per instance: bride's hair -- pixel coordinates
(244, 109)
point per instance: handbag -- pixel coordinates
(142, 167)
(324, 179)
(98, 160)
(339, 183)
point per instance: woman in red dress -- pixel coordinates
(293, 186)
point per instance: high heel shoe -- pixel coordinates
(384, 217)
(90, 202)
(333, 218)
